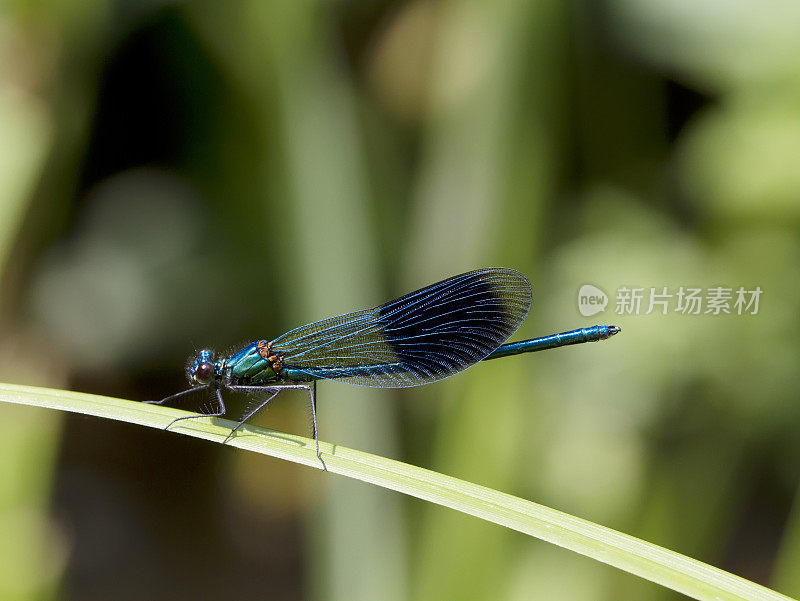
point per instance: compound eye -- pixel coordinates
(204, 372)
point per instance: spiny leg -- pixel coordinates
(219, 413)
(254, 411)
(312, 392)
(311, 388)
(172, 396)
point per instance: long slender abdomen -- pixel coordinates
(582, 335)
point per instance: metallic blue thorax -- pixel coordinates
(247, 366)
(250, 367)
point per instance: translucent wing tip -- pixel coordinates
(513, 287)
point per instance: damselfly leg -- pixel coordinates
(171, 397)
(257, 408)
(310, 387)
(219, 413)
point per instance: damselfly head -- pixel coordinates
(201, 370)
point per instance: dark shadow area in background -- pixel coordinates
(151, 102)
(135, 503)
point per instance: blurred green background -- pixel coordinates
(184, 174)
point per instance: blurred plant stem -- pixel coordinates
(786, 576)
(48, 70)
(326, 243)
(485, 117)
(32, 554)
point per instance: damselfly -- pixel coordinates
(421, 337)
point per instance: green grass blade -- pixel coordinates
(675, 571)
